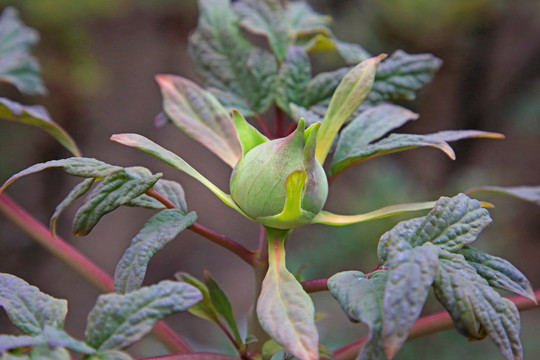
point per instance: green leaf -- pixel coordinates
(222, 305)
(29, 309)
(369, 126)
(44, 352)
(240, 75)
(8, 342)
(293, 78)
(305, 21)
(9, 356)
(320, 89)
(17, 65)
(78, 191)
(284, 309)
(269, 349)
(361, 297)
(498, 272)
(172, 191)
(401, 142)
(36, 115)
(205, 308)
(50, 336)
(350, 93)
(198, 114)
(352, 53)
(77, 166)
(267, 18)
(410, 274)
(149, 147)
(117, 321)
(476, 309)
(401, 75)
(527, 193)
(110, 355)
(157, 232)
(115, 190)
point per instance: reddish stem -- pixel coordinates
(263, 125)
(193, 356)
(315, 285)
(78, 262)
(279, 122)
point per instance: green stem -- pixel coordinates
(78, 262)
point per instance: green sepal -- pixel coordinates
(248, 135)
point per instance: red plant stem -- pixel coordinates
(219, 239)
(193, 356)
(264, 126)
(78, 262)
(279, 122)
(315, 285)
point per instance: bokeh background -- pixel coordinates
(99, 58)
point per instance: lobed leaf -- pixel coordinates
(401, 76)
(285, 310)
(498, 272)
(157, 232)
(410, 274)
(36, 115)
(361, 297)
(198, 114)
(77, 166)
(118, 188)
(240, 75)
(17, 66)
(267, 18)
(28, 308)
(476, 309)
(401, 142)
(118, 320)
(293, 78)
(527, 193)
(75, 193)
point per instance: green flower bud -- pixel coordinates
(280, 183)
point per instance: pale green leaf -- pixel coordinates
(222, 304)
(267, 18)
(285, 310)
(305, 21)
(50, 336)
(149, 147)
(240, 75)
(8, 342)
(527, 193)
(110, 355)
(350, 93)
(198, 114)
(28, 308)
(205, 308)
(350, 52)
(401, 142)
(498, 272)
(248, 135)
(320, 89)
(77, 166)
(293, 78)
(17, 65)
(410, 274)
(37, 115)
(10, 356)
(361, 297)
(78, 191)
(401, 75)
(476, 309)
(369, 126)
(115, 190)
(45, 352)
(117, 321)
(157, 232)
(269, 349)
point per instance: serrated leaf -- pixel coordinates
(527, 193)
(498, 272)
(222, 305)
(401, 75)
(36, 115)
(350, 93)
(284, 309)
(118, 320)
(267, 18)
(17, 65)
(240, 75)
(369, 126)
(110, 355)
(410, 274)
(115, 190)
(361, 297)
(77, 166)
(157, 232)
(205, 308)
(293, 78)
(45, 352)
(401, 142)
(476, 309)
(199, 115)
(29, 309)
(78, 191)
(149, 147)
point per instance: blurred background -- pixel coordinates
(99, 58)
